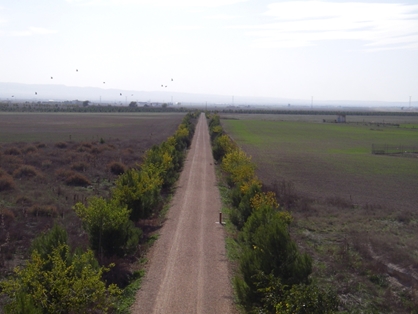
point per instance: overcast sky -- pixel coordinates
(331, 50)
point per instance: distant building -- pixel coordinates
(341, 118)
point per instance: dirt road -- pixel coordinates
(188, 270)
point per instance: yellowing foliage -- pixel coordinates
(182, 132)
(72, 285)
(102, 214)
(239, 166)
(225, 143)
(285, 216)
(245, 186)
(217, 129)
(262, 198)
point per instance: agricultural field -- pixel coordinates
(50, 161)
(355, 212)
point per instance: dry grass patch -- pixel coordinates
(77, 179)
(12, 151)
(79, 166)
(6, 216)
(128, 151)
(43, 211)
(61, 145)
(26, 171)
(24, 201)
(117, 168)
(63, 173)
(30, 149)
(46, 164)
(6, 181)
(85, 147)
(95, 150)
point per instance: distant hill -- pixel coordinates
(37, 92)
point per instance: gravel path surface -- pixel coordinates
(188, 268)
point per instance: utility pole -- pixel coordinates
(409, 102)
(311, 102)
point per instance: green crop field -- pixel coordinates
(355, 212)
(324, 158)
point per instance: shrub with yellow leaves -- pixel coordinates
(262, 198)
(239, 166)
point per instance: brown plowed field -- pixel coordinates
(188, 269)
(40, 152)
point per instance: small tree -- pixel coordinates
(238, 166)
(139, 190)
(58, 281)
(300, 299)
(108, 225)
(267, 247)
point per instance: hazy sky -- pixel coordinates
(366, 50)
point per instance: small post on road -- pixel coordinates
(220, 218)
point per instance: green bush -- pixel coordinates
(109, 228)
(139, 190)
(299, 299)
(161, 158)
(22, 303)
(72, 285)
(57, 281)
(242, 204)
(269, 249)
(45, 243)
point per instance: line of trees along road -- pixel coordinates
(59, 279)
(272, 275)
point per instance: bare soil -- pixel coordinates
(188, 267)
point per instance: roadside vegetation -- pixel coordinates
(65, 275)
(272, 275)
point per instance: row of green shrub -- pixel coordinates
(58, 279)
(272, 275)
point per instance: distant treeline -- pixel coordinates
(91, 108)
(318, 112)
(55, 107)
